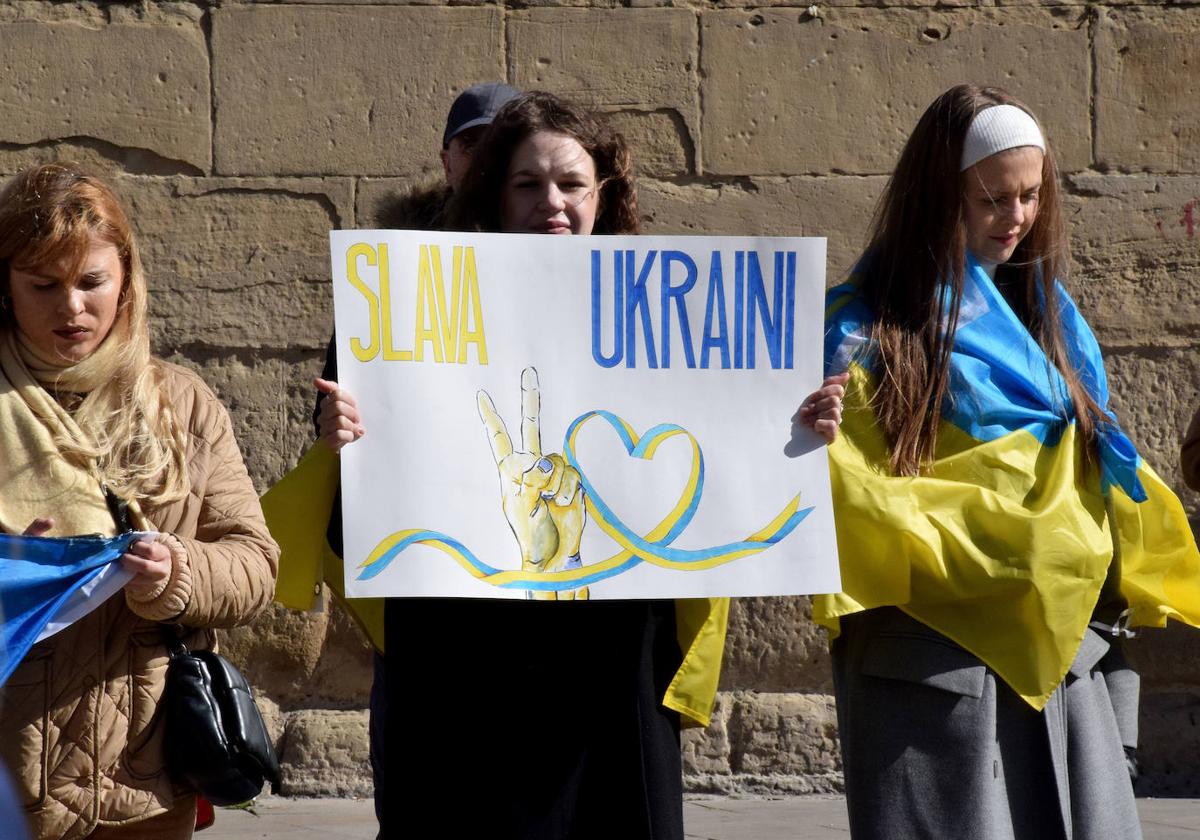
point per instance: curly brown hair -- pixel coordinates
(476, 204)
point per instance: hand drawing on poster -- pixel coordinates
(544, 499)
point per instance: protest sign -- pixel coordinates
(569, 417)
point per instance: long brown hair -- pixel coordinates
(912, 278)
(50, 214)
(476, 204)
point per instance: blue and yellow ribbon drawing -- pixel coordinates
(653, 547)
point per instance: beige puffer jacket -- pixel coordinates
(79, 726)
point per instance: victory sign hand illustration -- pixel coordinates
(540, 494)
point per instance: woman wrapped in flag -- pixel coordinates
(998, 532)
(94, 431)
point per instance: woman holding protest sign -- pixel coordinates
(562, 719)
(556, 718)
(998, 533)
(96, 436)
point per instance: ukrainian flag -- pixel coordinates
(1004, 542)
(47, 583)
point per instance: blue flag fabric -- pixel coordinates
(12, 815)
(1004, 539)
(1000, 379)
(39, 577)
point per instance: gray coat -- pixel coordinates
(936, 746)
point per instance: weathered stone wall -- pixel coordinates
(240, 132)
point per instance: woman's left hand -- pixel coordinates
(150, 562)
(822, 409)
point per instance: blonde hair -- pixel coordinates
(50, 215)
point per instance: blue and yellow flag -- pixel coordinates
(47, 583)
(1004, 542)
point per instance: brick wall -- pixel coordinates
(240, 132)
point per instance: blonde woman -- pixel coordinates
(89, 419)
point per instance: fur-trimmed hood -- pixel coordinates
(420, 207)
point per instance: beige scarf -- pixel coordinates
(35, 479)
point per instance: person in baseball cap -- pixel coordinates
(469, 116)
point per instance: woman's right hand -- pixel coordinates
(38, 527)
(338, 422)
(822, 409)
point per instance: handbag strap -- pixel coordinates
(119, 508)
(175, 646)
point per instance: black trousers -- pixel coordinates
(538, 721)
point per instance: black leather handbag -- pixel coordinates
(216, 740)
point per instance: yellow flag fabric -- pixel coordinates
(700, 627)
(1160, 566)
(297, 510)
(1004, 543)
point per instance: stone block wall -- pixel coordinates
(239, 133)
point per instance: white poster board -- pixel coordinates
(601, 417)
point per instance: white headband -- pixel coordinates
(998, 128)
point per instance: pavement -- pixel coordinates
(705, 818)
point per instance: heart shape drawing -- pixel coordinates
(654, 547)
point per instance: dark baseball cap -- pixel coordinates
(477, 105)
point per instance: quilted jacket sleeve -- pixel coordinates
(224, 559)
